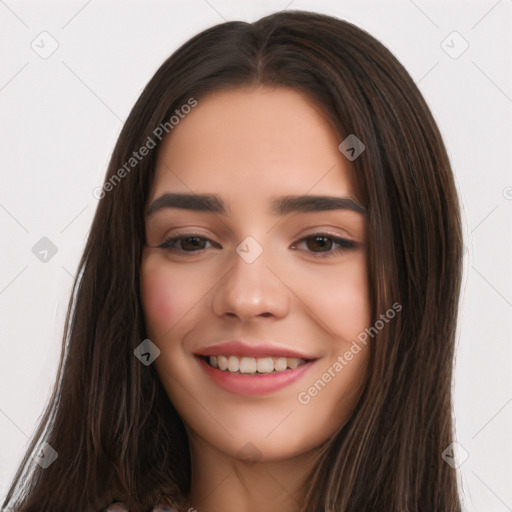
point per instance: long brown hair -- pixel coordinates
(117, 434)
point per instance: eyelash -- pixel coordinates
(343, 244)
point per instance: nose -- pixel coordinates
(250, 291)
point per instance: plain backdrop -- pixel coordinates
(61, 113)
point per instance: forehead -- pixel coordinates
(253, 141)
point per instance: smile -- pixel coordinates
(254, 365)
(253, 375)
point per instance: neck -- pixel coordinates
(221, 483)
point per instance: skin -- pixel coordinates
(248, 146)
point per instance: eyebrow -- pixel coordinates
(280, 206)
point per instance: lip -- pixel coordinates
(244, 384)
(243, 349)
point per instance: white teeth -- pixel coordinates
(293, 363)
(222, 362)
(264, 365)
(247, 364)
(254, 364)
(280, 364)
(233, 364)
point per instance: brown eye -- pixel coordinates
(193, 243)
(187, 243)
(319, 243)
(323, 244)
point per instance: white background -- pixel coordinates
(61, 116)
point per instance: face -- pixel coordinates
(253, 277)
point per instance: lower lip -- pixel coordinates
(244, 384)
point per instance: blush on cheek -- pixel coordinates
(157, 301)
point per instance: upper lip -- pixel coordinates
(241, 349)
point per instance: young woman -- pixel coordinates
(265, 310)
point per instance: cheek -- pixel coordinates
(159, 302)
(167, 295)
(338, 297)
(347, 309)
